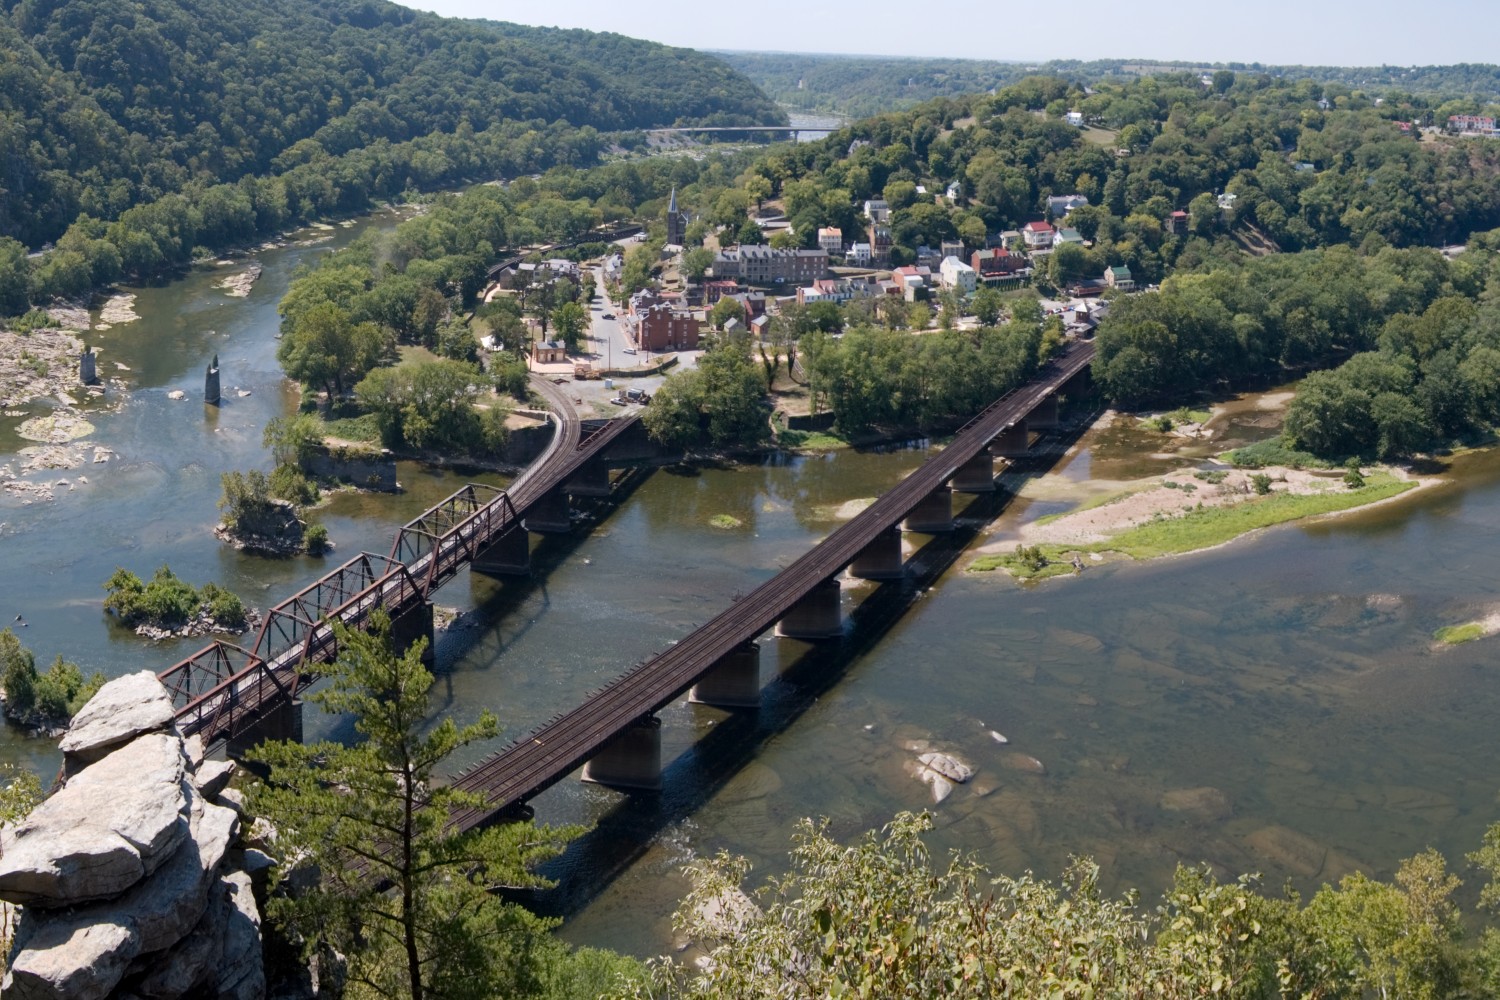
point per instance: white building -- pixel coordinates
(1075, 118)
(858, 255)
(878, 210)
(831, 239)
(957, 275)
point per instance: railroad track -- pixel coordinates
(530, 765)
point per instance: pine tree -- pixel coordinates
(409, 900)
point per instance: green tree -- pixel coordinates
(569, 320)
(987, 304)
(696, 262)
(372, 815)
(325, 349)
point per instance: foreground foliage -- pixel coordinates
(408, 900)
(879, 919)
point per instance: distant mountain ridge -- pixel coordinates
(105, 104)
(863, 85)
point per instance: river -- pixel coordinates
(1293, 674)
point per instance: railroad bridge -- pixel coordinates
(239, 695)
(615, 733)
(234, 695)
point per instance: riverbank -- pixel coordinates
(1178, 513)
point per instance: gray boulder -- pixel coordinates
(242, 975)
(70, 960)
(53, 947)
(191, 962)
(213, 776)
(109, 827)
(121, 710)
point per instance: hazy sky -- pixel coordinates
(1305, 32)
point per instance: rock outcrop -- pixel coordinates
(128, 878)
(118, 713)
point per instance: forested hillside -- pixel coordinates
(859, 86)
(106, 105)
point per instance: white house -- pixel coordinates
(878, 210)
(831, 239)
(957, 275)
(1037, 235)
(858, 255)
(1075, 118)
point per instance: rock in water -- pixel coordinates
(111, 825)
(948, 766)
(1207, 804)
(998, 738)
(119, 712)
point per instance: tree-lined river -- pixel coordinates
(1276, 705)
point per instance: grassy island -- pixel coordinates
(1181, 514)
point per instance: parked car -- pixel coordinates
(629, 350)
(607, 316)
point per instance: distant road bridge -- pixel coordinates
(226, 693)
(615, 734)
(747, 129)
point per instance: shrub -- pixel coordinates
(224, 607)
(1033, 559)
(246, 496)
(1261, 483)
(168, 602)
(316, 538)
(289, 483)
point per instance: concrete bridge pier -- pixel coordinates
(550, 514)
(977, 475)
(412, 625)
(933, 514)
(734, 682)
(881, 559)
(591, 480)
(631, 760)
(1013, 442)
(507, 555)
(211, 393)
(819, 615)
(1045, 416)
(88, 367)
(283, 721)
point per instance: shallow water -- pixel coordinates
(1294, 672)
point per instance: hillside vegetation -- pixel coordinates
(858, 86)
(106, 105)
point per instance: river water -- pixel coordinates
(1276, 705)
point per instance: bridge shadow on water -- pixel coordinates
(722, 748)
(496, 599)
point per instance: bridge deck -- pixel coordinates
(537, 761)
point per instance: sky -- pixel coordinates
(1275, 32)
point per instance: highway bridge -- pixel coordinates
(745, 129)
(226, 693)
(615, 734)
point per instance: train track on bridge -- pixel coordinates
(224, 689)
(535, 762)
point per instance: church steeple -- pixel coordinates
(676, 221)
